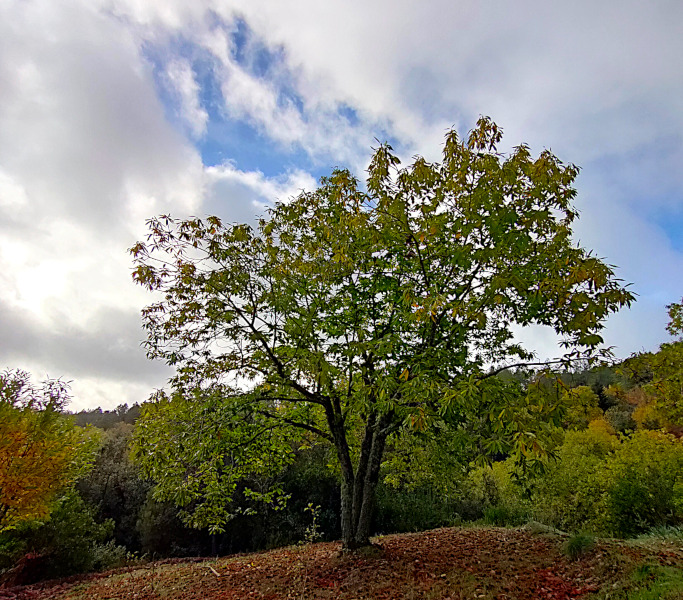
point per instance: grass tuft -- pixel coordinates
(656, 582)
(663, 533)
(579, 545)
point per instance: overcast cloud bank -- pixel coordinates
(112, 111)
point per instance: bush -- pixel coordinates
(647, 483)
(70, 542)
(115, 486)
(583, 408)
(41, 451)
(14, 543)
(505, 516)
(69, 538)
(605, 484)
(579, 545)
(111, 555)
(664, 533)
(572, 495)
(500, 498)
(307, 481)
(400, 510)
(490, 493)
(620, 417)
(163, 534)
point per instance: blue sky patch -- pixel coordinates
(671, 222)
(242, 141)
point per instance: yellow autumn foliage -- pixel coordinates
(41, 451)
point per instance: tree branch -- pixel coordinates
(526, 364)
(298, 424)
(310, 396)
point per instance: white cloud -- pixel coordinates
(316, 127)
(536, 68)
(248, 98)
(90, 392)
(85, 157)
(86, 154)
(183, 83)
(86, 126)
(241, 196)
(12, 194)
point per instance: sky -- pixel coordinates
(113, 111)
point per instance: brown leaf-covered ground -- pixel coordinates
(487, 563)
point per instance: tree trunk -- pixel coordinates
(358, 488)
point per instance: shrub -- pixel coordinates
(610, 485)
(498, 494)
(647, 483)
(579, 545)
(399, 510)
(115, 486)
(162, 533)
(572, 495)
(69, 537)
(42, 452)
(505, 516)
(13, 544)
(664, 533)
(620, 417)
(111, 555)
(70, 541)
(583, 408)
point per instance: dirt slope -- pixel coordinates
(444, 564)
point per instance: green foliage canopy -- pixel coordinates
(613, 484)
(199, 448)
(582, 404)
(351, 314)
(663, 371)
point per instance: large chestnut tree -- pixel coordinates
(355, 313)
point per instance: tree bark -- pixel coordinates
(336, 424)
(358, 488)
(371, 479)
